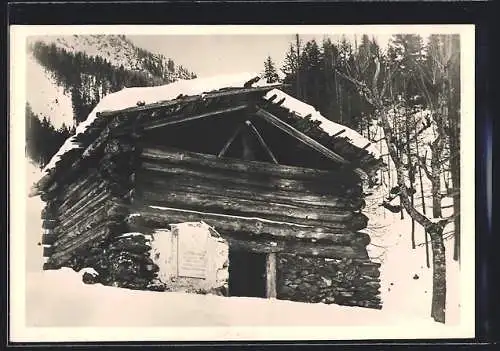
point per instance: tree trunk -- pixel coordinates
(438, 307)
(297, 72)
(435, 230)
(454, 121)
(436, 186)
(412, 179)
(427, 262)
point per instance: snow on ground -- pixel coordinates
(406, 281)
(59, 298)
(46, 97)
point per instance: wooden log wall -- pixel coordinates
(89, 211)
(256, 206)
(191, 181)
(307, 221)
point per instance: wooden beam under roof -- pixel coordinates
(297, 134)
(192, 98)
(261, 141)
(171, 120)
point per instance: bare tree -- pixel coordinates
(375, 94)
(440, 83)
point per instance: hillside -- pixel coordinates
(68, 75)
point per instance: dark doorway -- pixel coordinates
(247, 274)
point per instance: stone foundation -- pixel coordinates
(341, 281)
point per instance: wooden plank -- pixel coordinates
(216, 187)
(325, 250)
(64, 253)
(47, 251)
(48, 239)
(262, 141)
(267, 183)
(85, 181)
(250, 208)
(338, 133)
(153, 217)
(172, 120)
(305, 139)
(172, 156)
(237, 131)
(82, 222)
(271, 275)
(95, 194)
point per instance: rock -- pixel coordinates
(416, 276)
(286, 291)
(329, 299)
(156, 285)
(90, 278)
(325, 282)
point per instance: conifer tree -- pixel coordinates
(270, 73)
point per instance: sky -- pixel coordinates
(209, 55)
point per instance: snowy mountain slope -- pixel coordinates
(119, 51)
(52, 98)
(45, 96)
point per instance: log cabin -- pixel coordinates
(226, 187)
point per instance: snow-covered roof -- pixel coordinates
(302, 109)
(128, 97)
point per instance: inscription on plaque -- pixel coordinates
(192, 253)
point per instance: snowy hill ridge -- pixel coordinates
(54, 99)
(119, 51)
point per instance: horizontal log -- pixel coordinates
(157, 170)
(205, 161)
(68, 190)
(245, 191)
(48, 251)
(49, 212)
(237, 206)
(96, 208)
(49, 224)
(298, 248)
(48, 239)
(48, 266)
(162, 218)
(64, 253)
(69, 217)
(82, 224)
(79, 200)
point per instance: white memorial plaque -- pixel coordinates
(192, 252)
